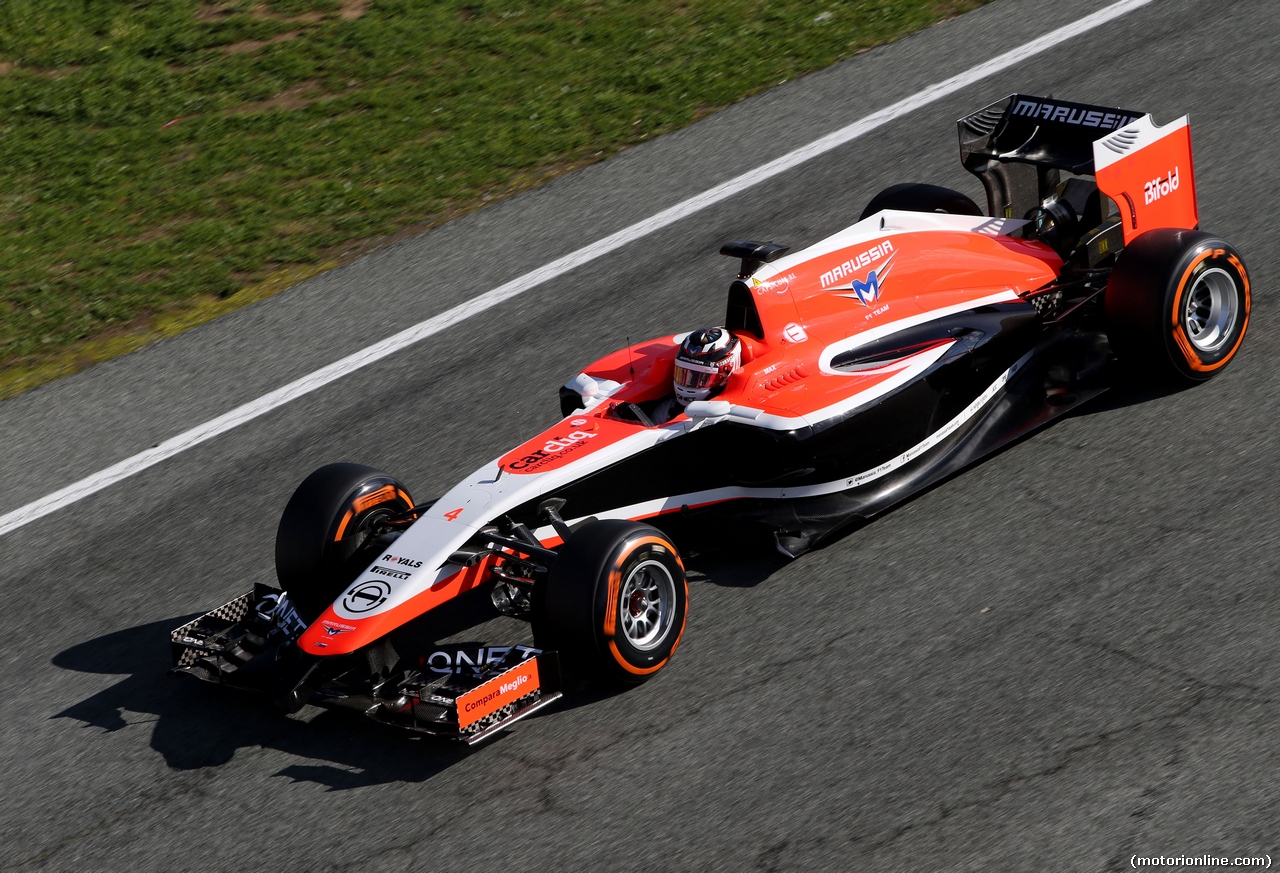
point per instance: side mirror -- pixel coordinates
(708, 409)
(584, 385)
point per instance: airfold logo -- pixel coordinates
(1070, 113)
(553, 448)
(1157, 187)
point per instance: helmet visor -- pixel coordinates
(696, 377)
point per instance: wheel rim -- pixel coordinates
(646, 605)
(1212, 309)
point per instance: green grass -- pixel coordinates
(162, 161)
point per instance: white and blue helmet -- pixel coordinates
(704, 362)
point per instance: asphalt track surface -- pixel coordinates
(1059, 659)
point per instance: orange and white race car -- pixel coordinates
(846, 377)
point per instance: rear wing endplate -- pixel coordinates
(1147, 170)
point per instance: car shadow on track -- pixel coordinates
(197, 726)
(1127, 390)
(744, 567)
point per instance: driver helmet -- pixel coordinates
(704, 362)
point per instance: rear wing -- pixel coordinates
(1020, 146)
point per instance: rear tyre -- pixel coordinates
(614, 603)
(1177, 305)
(326, 527)
(917, 197)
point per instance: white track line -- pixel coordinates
(249, 411)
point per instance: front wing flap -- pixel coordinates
(474, 707)
(246, 642)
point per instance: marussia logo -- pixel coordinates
(856, 263)
(868, 291)
(1072, 113)
(1157, 187)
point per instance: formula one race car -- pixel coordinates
(863, 369)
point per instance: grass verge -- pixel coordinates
(164, 162)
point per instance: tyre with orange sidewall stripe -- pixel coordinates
(326, 528)
(614, 602)
(1177, 305)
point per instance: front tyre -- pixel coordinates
(1177, 305)
(614, 602)
(326, 527)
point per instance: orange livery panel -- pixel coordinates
(1147, 171)
(501, 690)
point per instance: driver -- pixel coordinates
(702, 367)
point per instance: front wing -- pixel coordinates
(248, 643)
